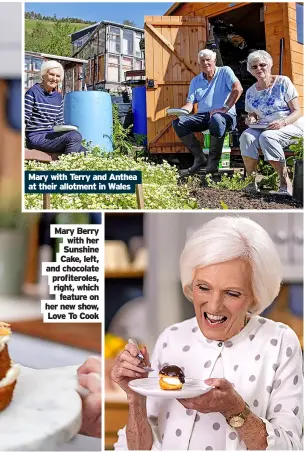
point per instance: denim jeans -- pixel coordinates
(67, 142)
(218, 124)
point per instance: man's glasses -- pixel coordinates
(258, 65)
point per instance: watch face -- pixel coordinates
(236, 421)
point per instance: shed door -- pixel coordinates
(172, 44)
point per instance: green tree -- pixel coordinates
(131, 23)
(60, 40)
(56, 42)
(37, 41)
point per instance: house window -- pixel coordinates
(127, 42)
(300, 22)
(32, 67)
(94, 44)
(101, 40)
(78, 43)
(86, 51)
(138, 52)
(37, 62)
(138, 65)
(27, 63)
(114, 40)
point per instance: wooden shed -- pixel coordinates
(173, 41)
(74, 70)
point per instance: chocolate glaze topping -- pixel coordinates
(173, 371)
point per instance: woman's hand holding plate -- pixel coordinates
(221, 399)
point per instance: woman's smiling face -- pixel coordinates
(52, 78)
(222, 295)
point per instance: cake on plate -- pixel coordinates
(8, 370)
(171, 378)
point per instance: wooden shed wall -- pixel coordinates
(296, 49)
(280, 22)
(171, 48)
(275, 31)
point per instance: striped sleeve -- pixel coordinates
(60, 117)
(28, 107)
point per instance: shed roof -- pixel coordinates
(103, 22)
(83, 31)
(57, 57)
(173, 8)
(108, 22)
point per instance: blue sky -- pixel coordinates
(115, 12)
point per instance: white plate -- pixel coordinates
(150, 387)
(45, 411)
(258, 126)
(64, 128)
(177, 112)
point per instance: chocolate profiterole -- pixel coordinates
(171, 377)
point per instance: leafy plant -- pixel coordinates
(160, 187)
(265, 168)
(298, 148)
(234, 183)
(121, 137)
(269, 182)
(140, 139)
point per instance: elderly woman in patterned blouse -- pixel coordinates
(272, 101)
(231, 272)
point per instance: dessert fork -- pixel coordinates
(140, 355)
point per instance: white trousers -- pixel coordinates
(271, 142)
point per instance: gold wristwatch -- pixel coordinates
(237, 420)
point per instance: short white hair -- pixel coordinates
(207, 53)
(51, 64)
(227, 238)
(259, 56)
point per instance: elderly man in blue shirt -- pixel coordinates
(216, 90)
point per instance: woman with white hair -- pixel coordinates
(272, 103)
(231, 272)
(44, 109)
(216, 90)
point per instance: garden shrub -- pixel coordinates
(234, 183)
(160, 187)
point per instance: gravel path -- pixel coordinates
(212, 198)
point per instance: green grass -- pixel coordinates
(30, 24)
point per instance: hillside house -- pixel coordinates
(112, 49)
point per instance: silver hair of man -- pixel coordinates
(51, 64)
(227, 238)
(259, 56)
(207, 53)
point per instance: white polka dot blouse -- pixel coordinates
(263, 362)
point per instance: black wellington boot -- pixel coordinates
(193, 145)
(214, 154)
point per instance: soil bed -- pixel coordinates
(212, 198)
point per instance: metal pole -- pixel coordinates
(281, 56)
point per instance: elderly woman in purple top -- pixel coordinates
(44, 109)
(216, 90)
